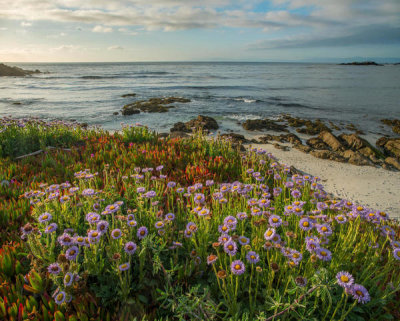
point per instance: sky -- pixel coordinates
(195, 30)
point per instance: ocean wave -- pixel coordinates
(296, 105)
(242, 117)
(209, 87)
(246, 100)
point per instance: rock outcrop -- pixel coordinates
(204, 123)
(15, 71)
(153, 105)
(263, 124)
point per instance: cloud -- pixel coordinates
(26, 24)
(102, 29)
(115, 48)
(371, 35)
(3, 29)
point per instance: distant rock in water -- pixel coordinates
(361, 63)
(16, 72)
(153, 105)
(394, 123)
(128, 95)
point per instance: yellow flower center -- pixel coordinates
(296, 255)
(359, 293)
(252, 257)
(60, 297)
(237, 267)
(275, 220)
(72, 252)
(360, 208)
(230, 247)
(323, 253)
(290, 207)
(269, 233)
(124, 266)
(324, 229)
(298, 209)
(344, 278)
(340, 218)
(306, 224)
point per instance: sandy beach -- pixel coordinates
(370, 186)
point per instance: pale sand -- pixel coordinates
(373, 187)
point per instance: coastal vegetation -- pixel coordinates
(135, 226)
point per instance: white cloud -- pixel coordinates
(26, 24)
(3, 29)
(116, 48)
(102, 29)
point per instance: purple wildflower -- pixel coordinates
(59, 297)
(171, 184)
(72, 253)
(360, 293)
(344, 279)
(130, 248)
(102, 226)
(269, 234)
(159, 224)
(116, 234)
(54, 268)
(241, 215)
(124, 266)
(169, 217)
(324, 254)
(65, 239)
(306, 224)
(396, 253)
(68, 279)
(243, 240)
(88, 192)
(252, 257)
(51, 228)
(237, 267)
(230, 247)
(275, 221)
(142, 232)
(94, 236)
(45, 217)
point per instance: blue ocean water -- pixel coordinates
(229, 92)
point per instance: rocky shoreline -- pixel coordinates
(8, 71)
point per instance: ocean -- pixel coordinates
(228, 91)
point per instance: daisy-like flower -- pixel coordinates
(275, 221)
(341, 219)
(140, 190)
(130, 217)
(64, 199)
(130, 248)
(295, 193)
(264, 202)
(230, 247)
(255, 211)
(124, 266)
(65, 239)
(142, 232)
(301, 281)
(50, 228)
(159, 224)
(241, 216)
(360, 293)
(94, 236)
(199, 198)
(68, 279)
(211, 259)
(230, 220)
(237, 267)
(88, 192)
(92, 217)
(132, 223)
(54, 268)
(224, 238)
(324, 229)
(116, 234)
(191, 226)
(298, 210)
(223, 228)
(324, 254)
(102, 226)
(188, 233)
(344, 279)
(79, 240)
(203, 212)
(180, 190)
(112, 208)
(396, 253)
(269, 234)
(72, 253)
(306, 224)
(243, 240)
(59, 297)
(252, 257)
(169, 217)
(45, 217)
(312, 245)
(53, 195)
(171, 184)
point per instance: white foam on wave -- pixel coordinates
(242, 117)
(246, 100)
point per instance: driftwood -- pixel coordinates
(41, 151)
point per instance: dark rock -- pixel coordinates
(128, 95)
(115, 113)
(15, 71)
(311, 127)
(281, 147)
(291, 138)
(391, 146)
(202, 122)
(263, 124)
(352, 141)
(316, 143)
(235, 138)
(393, 162)
(302, 148)
(178, 135)
(361, 63)
(394, 123)
(331, 140)
(153, 105)
(321, 153)
(17, 103)
(180, 127)
(355, 158)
